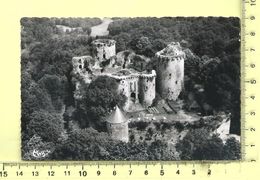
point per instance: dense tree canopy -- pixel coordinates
(89, 144)
(198, 144)
(100, 97)
(49, 126)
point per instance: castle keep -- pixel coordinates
(170, 71)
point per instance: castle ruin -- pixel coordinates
(134, 79)
(170, 71)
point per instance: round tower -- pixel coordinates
(104, 49)
(117, 125)
(147, 88)
(170, 71)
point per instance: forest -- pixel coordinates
(76, 132)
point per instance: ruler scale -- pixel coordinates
(249, 82)
(120, 169)
(168, 169)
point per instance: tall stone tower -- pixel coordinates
(117, 125)
(104, 49)
(170, 71)
(147, 88)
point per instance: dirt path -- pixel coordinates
(101, 29)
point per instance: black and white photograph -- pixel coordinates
(130, 88)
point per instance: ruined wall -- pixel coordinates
(118, 131)
(82, 68)
(104, 49)
(137, 87)
(147, 89)
(110, 51)
(170, 71)
(81, 73)
(124, 58)
(129, 87)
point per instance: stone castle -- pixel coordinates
(134, 79)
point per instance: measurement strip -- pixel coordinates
(243, 74)
(248, 80)
(144, 170)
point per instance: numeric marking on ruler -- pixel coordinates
(248, 54)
